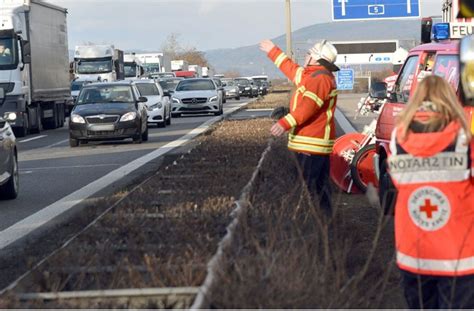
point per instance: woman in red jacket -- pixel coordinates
(431, 165)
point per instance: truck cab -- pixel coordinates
(439, 58)
(133, 67)
(101, 63)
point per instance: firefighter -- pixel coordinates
(431, 168)
(310, 121)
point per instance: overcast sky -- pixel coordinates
(205, 24)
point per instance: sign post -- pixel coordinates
(345, 79)
(374, 9)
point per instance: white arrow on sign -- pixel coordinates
(409, 6)
(343, 6)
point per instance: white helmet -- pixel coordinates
(324, 50)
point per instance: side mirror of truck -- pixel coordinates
(26, 52)
(466, 56)
(378, 90)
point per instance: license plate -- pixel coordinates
(100, 128)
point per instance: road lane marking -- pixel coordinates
(32, 138)
(56, 144)
(66, 167)
(262, 109)
(29, 224)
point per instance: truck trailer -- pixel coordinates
(179, 65)
(102, 63)
(34, 65)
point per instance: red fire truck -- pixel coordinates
(441, 58)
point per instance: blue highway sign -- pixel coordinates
(374, 9)
(345, 79)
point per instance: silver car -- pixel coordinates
(196, 96)
(9, 176)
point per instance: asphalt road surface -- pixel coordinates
(51, 171)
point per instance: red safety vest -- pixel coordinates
(434, 211)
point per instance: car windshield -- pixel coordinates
(148, 89)
(170, 84)
(94, 66)
(242, 81)
(7, 52)
(106, 94)
(195, 85)
(230, 83)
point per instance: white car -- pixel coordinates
(158, 104)
(196, 96)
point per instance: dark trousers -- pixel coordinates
(438, 292)
(315, 169)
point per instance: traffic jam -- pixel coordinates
(326, 173)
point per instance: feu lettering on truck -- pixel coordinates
(460, 30)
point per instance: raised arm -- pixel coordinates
(289, 68)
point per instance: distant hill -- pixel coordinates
(250, 60)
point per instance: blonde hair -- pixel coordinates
(443, 101)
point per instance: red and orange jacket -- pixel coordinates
(311, 118)
(434, 177)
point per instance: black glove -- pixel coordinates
(279, 112)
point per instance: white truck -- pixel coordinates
(197, 69)
(179, 65)
(155, 62)
(133, 67)
(98, 63)
(34, 64)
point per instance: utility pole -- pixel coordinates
(289, 50)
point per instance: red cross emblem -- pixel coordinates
(428, 208)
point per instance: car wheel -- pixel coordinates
(23, 131)
(9, 190)
(138, 138)
(237, 98)
(73, 142)
(224, 100)
(145, 135)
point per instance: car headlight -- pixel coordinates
(129, 116)
(155, 106)
(10, 116)
(213, 99)
(75, 118)
(247, 88)
(176, 101)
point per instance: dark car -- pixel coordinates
(262, 87)
(108, 111)
(245, 87)
(9, 177)
(221, 89)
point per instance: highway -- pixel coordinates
(54, 178)
(50, 170)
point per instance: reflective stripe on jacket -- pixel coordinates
(434, 211)
(311, 118)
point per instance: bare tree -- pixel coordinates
(191, 54)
